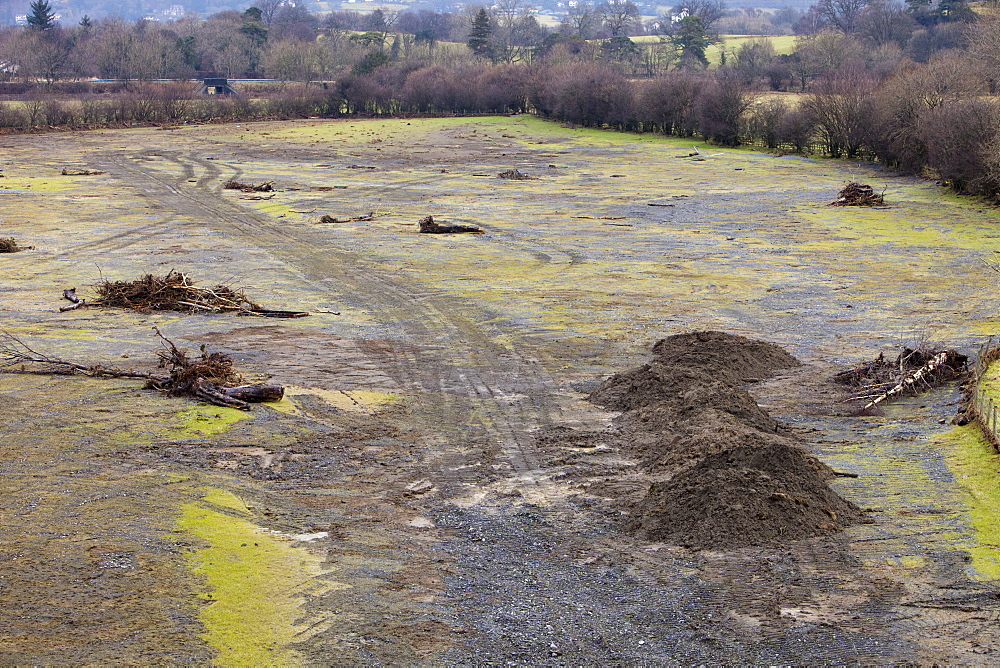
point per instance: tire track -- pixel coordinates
(471, 363)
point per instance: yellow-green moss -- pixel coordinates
(350, 400)
(976, 467)
(208, 420)
(255, 582)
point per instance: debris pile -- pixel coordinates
(857, 194)
(428, 226)
(211, 377)
(514, 175)
(265, 187)
(726, 474)
(69, 171)
(9, 245)
(173, 292)
(911, 372)
(365, 218)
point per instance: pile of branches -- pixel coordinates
(265, 187)
(173, 292)
(69, 171)
(428, 226)
(911, 372)
(857, 194)
(515, 175)
(10, 246)
(211, 378)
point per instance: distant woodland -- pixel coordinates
(911, 85)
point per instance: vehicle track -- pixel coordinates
(471, 364)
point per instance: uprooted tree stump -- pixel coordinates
(265, 187)
(211, 377)
(173, 292)
(857, 194)
(10, 246)
(428, 226)
(515, 175)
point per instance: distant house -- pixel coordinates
(216, 86)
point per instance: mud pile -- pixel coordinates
(727, 477)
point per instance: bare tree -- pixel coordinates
(839, 107)
(618, 16)
(709, 11)
(268, 9)
(721, 106)
(885, 21)
(753, 58)
(845, 15)
(962, 143)
(43, 54)
(516, 30)
(580, 21)
(816, 55)
(984, 45)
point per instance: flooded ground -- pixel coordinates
(398, 505)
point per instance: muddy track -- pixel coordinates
(471, 364)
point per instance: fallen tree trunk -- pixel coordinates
(910, 381)
(256, 393)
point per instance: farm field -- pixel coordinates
(422, 493)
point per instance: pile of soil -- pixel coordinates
(857, 194)
(741, 497)
(726, 475)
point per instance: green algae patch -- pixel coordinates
(256, 583)
(208, 420)
(48, 184)
(990, 382)
(355, 401)
(976, 467)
